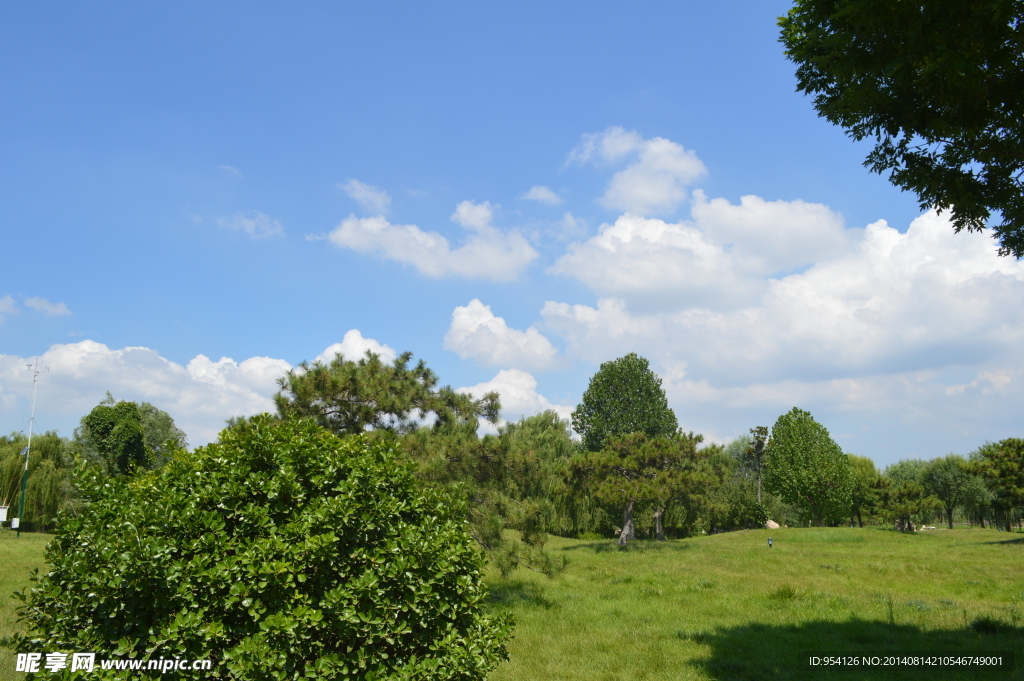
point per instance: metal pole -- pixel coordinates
(28, 449)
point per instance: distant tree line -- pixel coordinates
(632, 473)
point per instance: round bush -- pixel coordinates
(282, 552)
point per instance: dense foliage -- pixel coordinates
(512, 481)
(281, 552)
(350, 397)
(938, 84)
(808, 469)
(623, 397)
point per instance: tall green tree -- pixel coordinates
(115, 433)
(808, 469)
(160, 435)
(623, 397)
(864, 488)
(949, 480)
(906, 503)
(756, 454)
(938, 85)
(1002, 465)
(350, 397)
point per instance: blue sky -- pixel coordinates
(195, 197)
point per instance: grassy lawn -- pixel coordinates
(18, 555)
(728, 607)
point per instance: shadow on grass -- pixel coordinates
(756, 652)
(1007, 541)
(516, 592)
(639, 545)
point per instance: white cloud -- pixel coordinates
(7, 306)
(890, 302)
(614, 144)
(370, 198)
(475, 332)
(719, 258)
(519, 396)
(653, 184)
(230, 170)
(543, 194)
(487, 253)
(254, 223)
(200, 396)
(353, 346)
(46, 307)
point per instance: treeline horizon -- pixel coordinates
(630, 472)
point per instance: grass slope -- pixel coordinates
(728, 607)
(18, 557)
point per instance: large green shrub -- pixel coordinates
(281, 552)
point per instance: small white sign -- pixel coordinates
(15, 523)
(3, 513)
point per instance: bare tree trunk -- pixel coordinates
(949, 517)
(659, 534)
(759, 485)
(628, 531)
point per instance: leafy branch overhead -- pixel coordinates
(939, 86)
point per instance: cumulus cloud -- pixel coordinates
(916, 330)
(353, 346)
(487, 252)
(46, 307)
(370, 198)
(200, 395)
(475, 332)
(519, 396)
(7, 306)
(721, 257)
(254, 223)
(654, 183)
(543, 194)
(889, 302)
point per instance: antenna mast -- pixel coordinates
(28, 448)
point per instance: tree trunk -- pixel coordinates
(860, 521)
(628, 531)
(659, 534)
(949, 517)
(759, 485)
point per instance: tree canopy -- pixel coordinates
(116, 434)
(350, 397)
(623, 397)
(808, 469)
(939, 86)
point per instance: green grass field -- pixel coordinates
(18, 556)
(728, 607)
